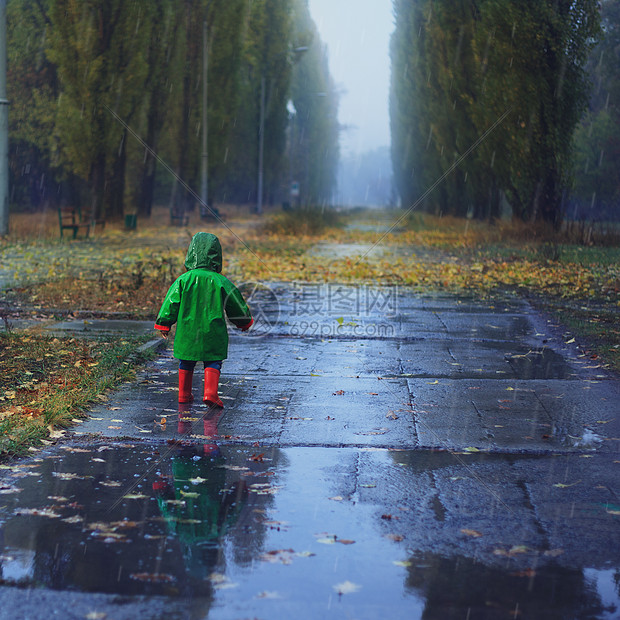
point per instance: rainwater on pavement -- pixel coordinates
(420, 457)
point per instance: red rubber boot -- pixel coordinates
(185, 386)
(212, 379)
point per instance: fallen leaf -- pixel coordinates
(153, 577)
(74, 519)
(472, 533)
(530, 572)
(395, 537)
(268, 595)
(561, 485)
(43, 512)
(346, 587)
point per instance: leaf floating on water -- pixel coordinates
(347, 587)
(153, 577)
(5, 490)
(530, 572)
(472, 533)
(561, 485)
(36, 512)
(74, 519)
(395, 537)
(268, 595)
(221, 582)
(69, 476)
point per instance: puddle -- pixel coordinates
(307, 532)
(540, 364)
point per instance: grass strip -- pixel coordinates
(47, 382)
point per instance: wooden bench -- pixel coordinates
(69, 219)
(73, 219)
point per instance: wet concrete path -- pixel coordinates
(379, 454)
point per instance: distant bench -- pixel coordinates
(72, 219)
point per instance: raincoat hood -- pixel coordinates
(205, 251)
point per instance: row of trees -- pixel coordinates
(490, 92)
(597, 138)
(106, 100)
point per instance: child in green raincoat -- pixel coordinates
(198, 302)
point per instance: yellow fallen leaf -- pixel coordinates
(560, 485)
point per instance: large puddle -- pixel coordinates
(310, 533)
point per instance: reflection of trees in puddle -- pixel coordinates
(456, 587)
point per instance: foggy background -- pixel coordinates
(357, 35)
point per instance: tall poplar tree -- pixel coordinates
(512, 71)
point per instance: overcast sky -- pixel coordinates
(357, 34)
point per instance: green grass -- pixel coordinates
(46, 382)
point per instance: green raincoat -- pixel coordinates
(198, 302)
